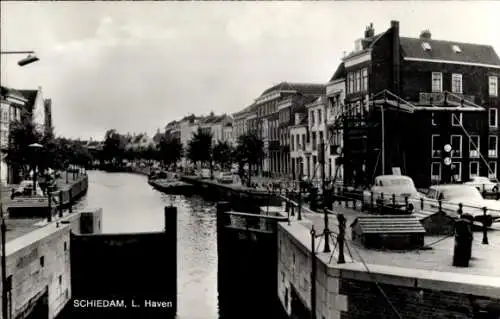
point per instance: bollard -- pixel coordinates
(460, 209)
(394, 203)
(49, 215)
(340, 238)
(485, 227)
(463, 241)
(421, 203)
(60, 203)
(371, 200)
(326, 231)
(70, 208)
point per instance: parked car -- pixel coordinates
(25, 188)
(469, 196)
(225, 178)
(483, 184)
(386, 185)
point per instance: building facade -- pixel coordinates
(11, 104)
(401, 90)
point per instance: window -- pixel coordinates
(474, 146)
(311, 115)
(65, 246)
(350, 80)
(456, 146)
(321, 137)
(364, 85)
(456, 48)
(437, 82)
(426, 46)
(492, 171)
(60, 279)
(298, 142)
(314, 141)
(42, 261)
(436, 172)
(456, 119)
(456, 83)
(474, 169)
(436, 147)
(456, 168)
(292, 145)
(492, 146)
(303, 142)
(433, 119)
(357, 86)
(320, 117)
(493, 117)
(493, 85)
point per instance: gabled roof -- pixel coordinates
(443, 50)
(303, 88)
(340, 73)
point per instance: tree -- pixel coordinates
(250, 150)
(114, 146)
(200, 148)
(19, 155)
(169, 150)
(223, 154)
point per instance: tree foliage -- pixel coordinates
(200, 147)
(223, 154)
(170, 150)
(114, 146)
(250, 150)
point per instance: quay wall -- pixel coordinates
(39, 269)
(349, 291)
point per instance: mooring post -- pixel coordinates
(70, 200)
(60, 203)
(313, 273)
(49, 215)
(326, 231)
(341, 238)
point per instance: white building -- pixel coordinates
(11, 104)
(318, 135)
(298, 142)
(335, 92)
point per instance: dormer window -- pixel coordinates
(456, 48)
(426, 46)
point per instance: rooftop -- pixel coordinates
(303, 88)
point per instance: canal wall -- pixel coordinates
(350, 290)
(241, 198)
(38, 268)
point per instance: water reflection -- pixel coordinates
(131, 205)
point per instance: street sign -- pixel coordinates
(447, 148)
(447, 161)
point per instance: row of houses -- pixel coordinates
(417, 106)
(17, 105)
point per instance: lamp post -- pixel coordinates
(35, 147)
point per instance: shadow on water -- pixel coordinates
(131, 205)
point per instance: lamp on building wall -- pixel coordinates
(31, 58)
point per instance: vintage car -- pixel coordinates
(385, 186)
(225, 178)
(483, 184)
(469, 196)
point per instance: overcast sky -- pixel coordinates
(135, 66)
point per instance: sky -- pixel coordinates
(135, 66)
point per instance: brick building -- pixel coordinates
(408, 97)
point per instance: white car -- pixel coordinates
(483, 184)
(386, 185)
(225, 178)
(454, 194)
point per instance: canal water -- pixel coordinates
(130, 205)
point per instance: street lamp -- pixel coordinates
(34, 147)
(27, 60)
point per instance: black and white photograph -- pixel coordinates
(250, 159)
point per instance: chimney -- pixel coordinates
(425, 35)
(370, 31)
